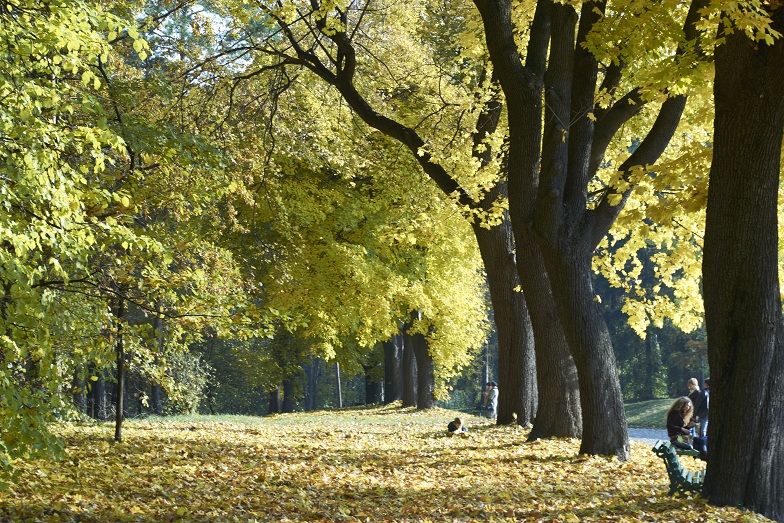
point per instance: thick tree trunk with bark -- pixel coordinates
(393, 368)
(559, 414)
(517, 386)
(551, 167)
(426, 376)
(409, 373)
(274, 401)
(79, 393)
(372, 386)
(288, 396)
(97, 404)
(743, 309)
(604, 418)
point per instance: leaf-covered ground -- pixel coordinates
(382, 464)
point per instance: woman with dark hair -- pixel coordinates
(679, 423)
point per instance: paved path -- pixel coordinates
(649, 436)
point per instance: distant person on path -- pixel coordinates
(491, 399)
(679, 423)
(457, 428)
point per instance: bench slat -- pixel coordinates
(680, 478)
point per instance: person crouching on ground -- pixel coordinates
(456, 428)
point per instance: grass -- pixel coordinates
(359, 464)
(649, 414)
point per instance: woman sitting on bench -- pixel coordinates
(678, 424)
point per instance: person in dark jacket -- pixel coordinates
(679, 424)
(700, 401)
(457, 428)
(701, 411)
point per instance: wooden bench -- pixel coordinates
(681, 479)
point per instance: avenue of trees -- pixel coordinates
(280, 191)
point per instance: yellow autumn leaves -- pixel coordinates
(377, 464)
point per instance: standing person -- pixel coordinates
(701, 411)
(696, 398)
(491, 399)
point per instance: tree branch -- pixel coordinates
(581, 126)
(600, 220)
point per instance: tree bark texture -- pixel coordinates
(551, 162)
(372, 386)
(604, 418)
(409, 373)
(288, 396)
(274, 401)
(559, 414)
(97, 398)
(426, 376)
(393, 367)
(517, 387)
(743, 309)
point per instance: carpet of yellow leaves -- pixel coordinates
(381, 464)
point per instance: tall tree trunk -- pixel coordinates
(288, 396)
(517, 390)
(97, 398)
(120, 404)
(339, 390)
(156, 391)
(484, 377)
(393, 367)
(604, 418)
(80, 393)
(651, 360)
(274, 401)
(409, 373)
(426, 377)
(372, 385)
(743, 309)
(559, 414)
(311, 399)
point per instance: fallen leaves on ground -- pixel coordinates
(382, 464)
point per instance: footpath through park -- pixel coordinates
(649, 436)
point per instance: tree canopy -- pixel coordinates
(295, 179)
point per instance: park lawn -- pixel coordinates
(651, 414)
(375, 464)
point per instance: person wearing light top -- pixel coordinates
(491, 399)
